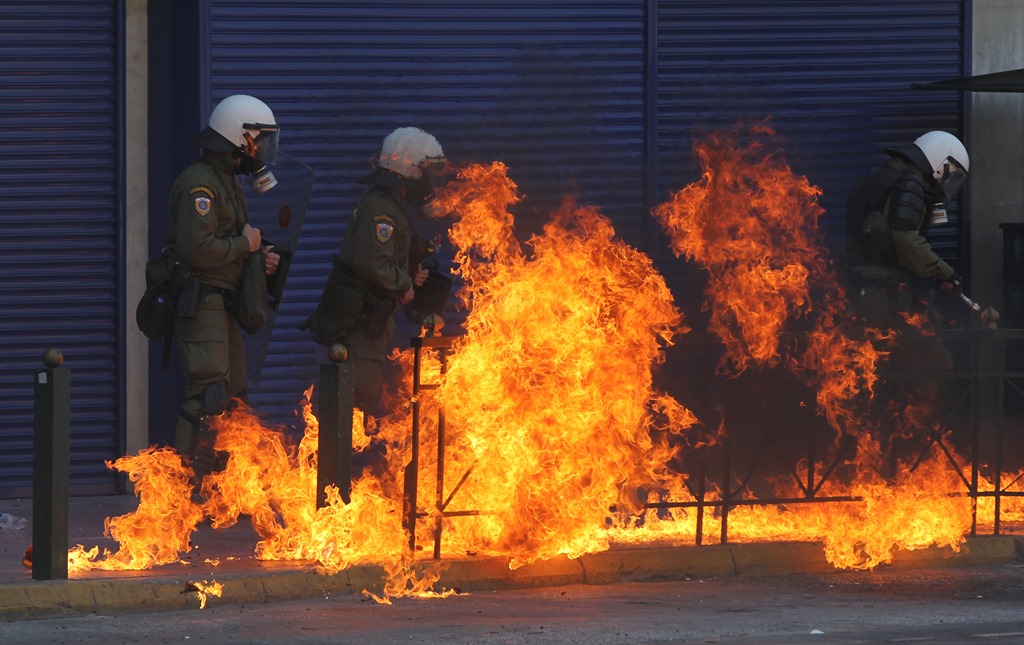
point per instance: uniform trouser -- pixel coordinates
(918, 349)
(212, 356)
(368, 356)
(916, 364)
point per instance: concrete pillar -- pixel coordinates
(137, 224)
(996, 140)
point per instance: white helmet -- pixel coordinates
(245, 126)
(940, 156)
(407, 151)
(248, 124)
(940, 147)
(947, 159)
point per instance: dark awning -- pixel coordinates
(1009, 81)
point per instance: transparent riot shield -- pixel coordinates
(279, 214)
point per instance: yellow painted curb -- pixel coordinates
(116, 593)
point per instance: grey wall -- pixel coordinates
(137, 221)
(996, 143)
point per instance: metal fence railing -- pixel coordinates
(774, 431)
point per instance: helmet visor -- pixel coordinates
(264, 146)
(436, 173)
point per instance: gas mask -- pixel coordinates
(263, 180)
(952, 180)
(255, 159)
(939, 216)
(262, 177)
(434, 175)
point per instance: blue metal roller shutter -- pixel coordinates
(834, 79)
(555, 89)
(60, 212)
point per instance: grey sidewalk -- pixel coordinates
(248, 580)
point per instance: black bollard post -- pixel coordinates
(334, 452)
(51, 469)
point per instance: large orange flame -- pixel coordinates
(158, 531)
(752, 224)
(550, 389)
(556, 441)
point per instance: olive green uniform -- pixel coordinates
(376, 250)
(206, 213)
(891, 270)
(891, 266)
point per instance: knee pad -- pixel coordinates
(214, 400)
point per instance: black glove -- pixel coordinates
(952, 283)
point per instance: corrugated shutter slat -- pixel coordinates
(59, 177)
(553, 89)
(833, 78)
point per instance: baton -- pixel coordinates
(989, 317)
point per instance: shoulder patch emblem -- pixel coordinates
(202, 206)
(201, 189)
(384, 227)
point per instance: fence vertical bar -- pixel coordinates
(51, 469)
(440, 464)
(812, 454)
(1000, 421)
(726, 490)
(702, 470)
(976, 413)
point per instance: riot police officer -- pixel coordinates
(373, 274)
(208, 228)
(889, 212)
(891, 269)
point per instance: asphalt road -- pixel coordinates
(975, 604)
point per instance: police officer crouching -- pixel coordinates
(888, 214)
(891, 270)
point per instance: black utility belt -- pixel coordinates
(205, 289)
(230, 296)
